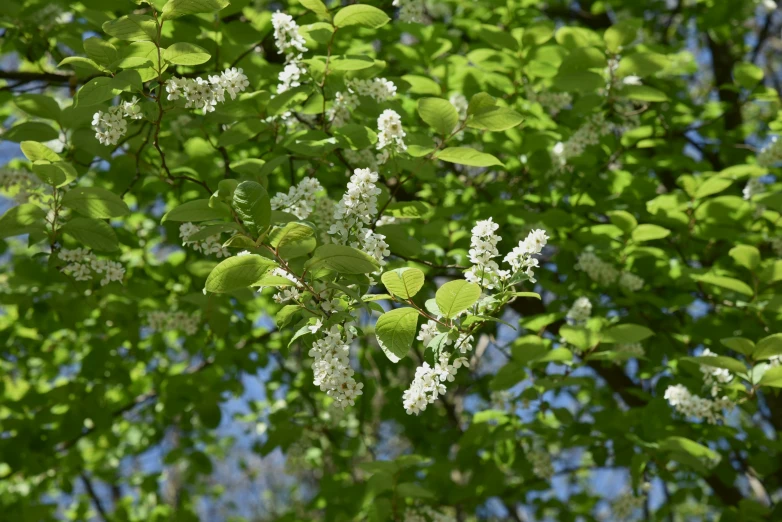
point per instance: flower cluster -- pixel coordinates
(460, 103)
(362, 158)
(587, 135)
(292, 44)
(110, 126)
(632, 349)
(631, 282)
(83, 266)
(580, 311)
(286, 294)
(713, 376)
(483, 249)
(771, 154)
(552, 102)
(542, 465)
(597, 269)
(429, 382)
(161, 321)
(379, 89)
(390, 132)
(691, 405)
(341, 108)
(25, 182)
(753, 187)
(300, 199)
(206, 94)
(356, 210)
(208, 245)
(625, 505)
(331, 367)
(412, 11)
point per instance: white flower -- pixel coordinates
(459, 103)
(390, 131)
(580, 311)
(300, 199)
(769, 5)
(286, 34)
(313, 328)
(331, 368)
(632, 80)
(626, 504)
(109, 126)
(771, 154)
(753, 187)
(171, 321)
(209, 245)
(206, 94)
(130, 109)
(412, 11)
(542, 466)
(693, 406)
(427, 332)
(552, 102)
(290, 76)
(597, 269)
(630, 282)
(82, 265)
(379, 89)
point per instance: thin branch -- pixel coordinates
(94, 496)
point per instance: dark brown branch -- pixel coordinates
(94, 496)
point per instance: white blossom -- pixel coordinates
(26, 183)
(300, 199)
(206, 94)
(331, 368)
(552, 102)
(580, 311)
(771, 154)
(631, 282)
(691, 405)
(429, 383)
(542, 466)
(412, 11)
(713, 376)
(460, 103)
(286, 35)
(109, 126)
(626, 504)
(83, 266)
(209, 245)
(379, 89)
(390, 131)
(597, 269)
(170, 321)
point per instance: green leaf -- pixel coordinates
(38, 105)
(252, 205)
(95, 202)
(342, 259)
(395, 331)
(237, 272)
(578, 81)
(23, 219)
(623, 220)
(641, 64)
(100, 51)
(92, 233)
(183, 53)
(768, 347)
(719, 361)
(95, 91)
(746, 256)
(772, 377)
(350, 63)
(194, 211)
(317, 7)
(643, 93)
(747, 74)
(31, 131)
(555, 355)
(438, 114)
(626, 333)
(132, 27)
(359, 14)
(649, 233)
(456, 296)
(54, 174)
(579, 336)
(725, 282)
(403, 282)
(494, 119)
(711, 186)
(35, 151)
(621, 34)
(468, 156)
(81, 63)
(739, 344)
(408, 209)
(176, 8)
(293, 240)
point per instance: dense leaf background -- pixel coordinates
(623, 128)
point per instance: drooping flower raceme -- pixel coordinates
(290, 43)
(25, 183)
(691, 405)
(206, 94)
(412, 11)
(208, 245)
(379, 89)
(331, 367)
(355, 211)
(713, 376)
(580, 311)
(300, 199)
(162, 321)
(83, 266)
(485, 271)
(390, 132)
(753, 187)
(597, 269)
(109, 126)
(429, 382)
(631, 282)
